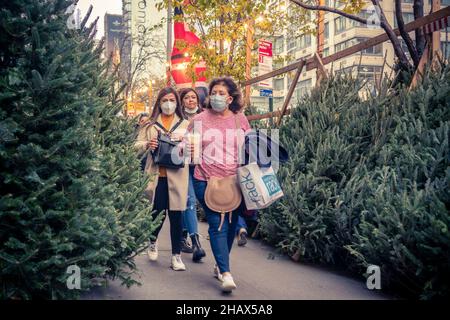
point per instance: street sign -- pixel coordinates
(265, 64)
(266, 93)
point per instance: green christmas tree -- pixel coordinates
(368, 183)
(406, 185)
(71, 188)
(327, 136)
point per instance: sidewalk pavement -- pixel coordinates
(259, 271)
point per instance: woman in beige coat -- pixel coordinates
(168, 188)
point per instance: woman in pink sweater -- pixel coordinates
(218, 157)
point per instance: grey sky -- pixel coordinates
(100, 7)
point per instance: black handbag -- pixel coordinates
(167, 153)
(260, 148)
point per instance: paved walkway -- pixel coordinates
(259, 271)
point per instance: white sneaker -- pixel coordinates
(217, 273)
(152, 251)
(177, 264)
(228, 284)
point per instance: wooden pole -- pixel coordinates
(436, 37)
(321, 71)
(291, 91)
(421, 67)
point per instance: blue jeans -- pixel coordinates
(241, 225)
(221, 241)
(190, 222)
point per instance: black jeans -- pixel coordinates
(161, 203)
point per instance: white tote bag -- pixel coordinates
(260, 186)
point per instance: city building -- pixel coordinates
(340, 33)
(139, 17)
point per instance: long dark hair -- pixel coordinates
(185, 91)
(157, 107)
(233, 90)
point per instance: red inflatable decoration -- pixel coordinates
(180, 58)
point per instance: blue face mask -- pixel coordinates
(218, 103)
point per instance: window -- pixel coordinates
(375, 50)
(345, 44)
(339, 25)
(291, 43)
(279, 45)
(326, 52)
(364, 72)
(277, 64)
(303, 88)
(326, 33)
(445, 47)
(369, 72)
(304, 41)
(371, 16)
(407, 18)
(278, 84)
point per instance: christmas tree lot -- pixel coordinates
(71, 187)
(368, 184)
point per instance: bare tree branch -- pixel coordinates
(86, 17)
(403, 60)
(332, 10)
(91, 28)
(401, 26)
(148, 50)
(202, 30)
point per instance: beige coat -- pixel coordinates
(177, 179)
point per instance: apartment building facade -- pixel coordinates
(340, 33)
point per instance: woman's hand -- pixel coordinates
(152, 144)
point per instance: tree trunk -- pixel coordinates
(402, 58)
(420, 37)
(401, 26)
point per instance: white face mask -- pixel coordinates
(168, 107)
(218, 103)
(191, 111)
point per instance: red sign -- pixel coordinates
(265, 48)
(265, 62)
